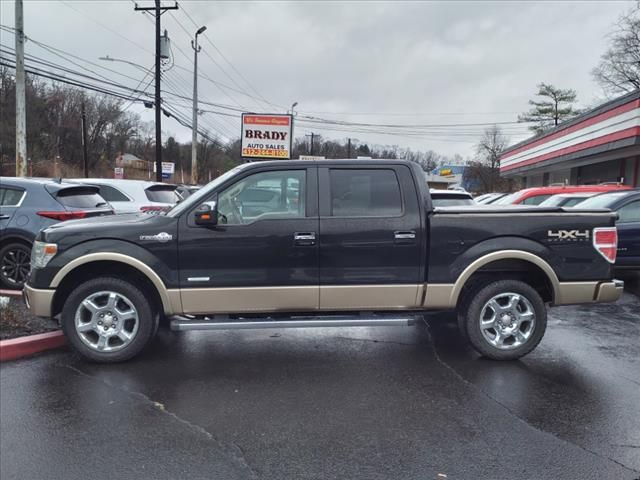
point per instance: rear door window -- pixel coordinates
(10, 197)
(162, 194)
(80, 197)
(365, 193)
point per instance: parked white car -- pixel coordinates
(450, 198)
(129, 196)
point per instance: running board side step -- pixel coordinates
(182, 324)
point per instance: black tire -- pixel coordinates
(475, 304)
(13, 276)
(146, 315)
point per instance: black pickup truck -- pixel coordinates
(319, 243)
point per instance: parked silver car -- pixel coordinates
(129, 196)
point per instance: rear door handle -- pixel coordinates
(4, 217)
(304, 239)
(407, 236)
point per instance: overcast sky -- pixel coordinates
(373, 62)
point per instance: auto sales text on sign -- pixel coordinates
(266, 136)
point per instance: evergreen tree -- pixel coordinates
(556, 105)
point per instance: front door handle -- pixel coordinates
(304, 239)
(407, 236)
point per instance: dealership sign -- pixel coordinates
(266, 136)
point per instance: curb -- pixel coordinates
(20, 347)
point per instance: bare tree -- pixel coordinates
(619, 68)
(484, 170)
(556, 105)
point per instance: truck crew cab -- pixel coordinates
(319, 243)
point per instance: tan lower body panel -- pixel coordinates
(369, 297)
(291, 299)
(443, 295)
(249, 299)
(356, 297)
(575, 292)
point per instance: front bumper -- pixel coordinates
(39, 302)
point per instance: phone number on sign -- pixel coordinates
(264, 152)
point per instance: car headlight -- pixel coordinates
(42, 253)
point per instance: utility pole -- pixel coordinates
(21, 110)
(194, 127)
(85, 161)
(348, 148)
(158, 12)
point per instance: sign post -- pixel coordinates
(266, 136)
(118, 173)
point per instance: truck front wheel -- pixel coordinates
(108, 320)
(505, 320)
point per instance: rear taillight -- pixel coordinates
(152, 209)
(62, 216)
(605, 241)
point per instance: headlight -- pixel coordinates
(42, 253)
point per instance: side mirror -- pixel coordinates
(207, 214)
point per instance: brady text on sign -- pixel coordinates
(266, 136)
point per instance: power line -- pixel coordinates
(40, 73)
(208, 39)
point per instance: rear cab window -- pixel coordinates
(364, 193)
(162, 194)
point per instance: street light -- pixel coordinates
(294, 105)
(194, 127)
(107, 58)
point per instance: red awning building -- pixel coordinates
(601, 145)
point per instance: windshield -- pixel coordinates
(199, 196)
(508, 200)
(556, 201)
(601, 201)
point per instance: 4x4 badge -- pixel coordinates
(161, 237)
(568, 234)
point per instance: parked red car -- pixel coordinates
(537, 195)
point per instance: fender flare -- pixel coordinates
(143, 268)
(504, 255)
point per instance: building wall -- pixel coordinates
(599, 172)
(619, 170)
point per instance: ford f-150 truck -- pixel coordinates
(319, 243)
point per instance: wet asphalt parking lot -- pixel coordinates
(358, 403)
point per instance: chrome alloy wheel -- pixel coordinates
(507, 320)
(106, 321)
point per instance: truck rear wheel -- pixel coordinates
(108, 320)
(505, 320)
